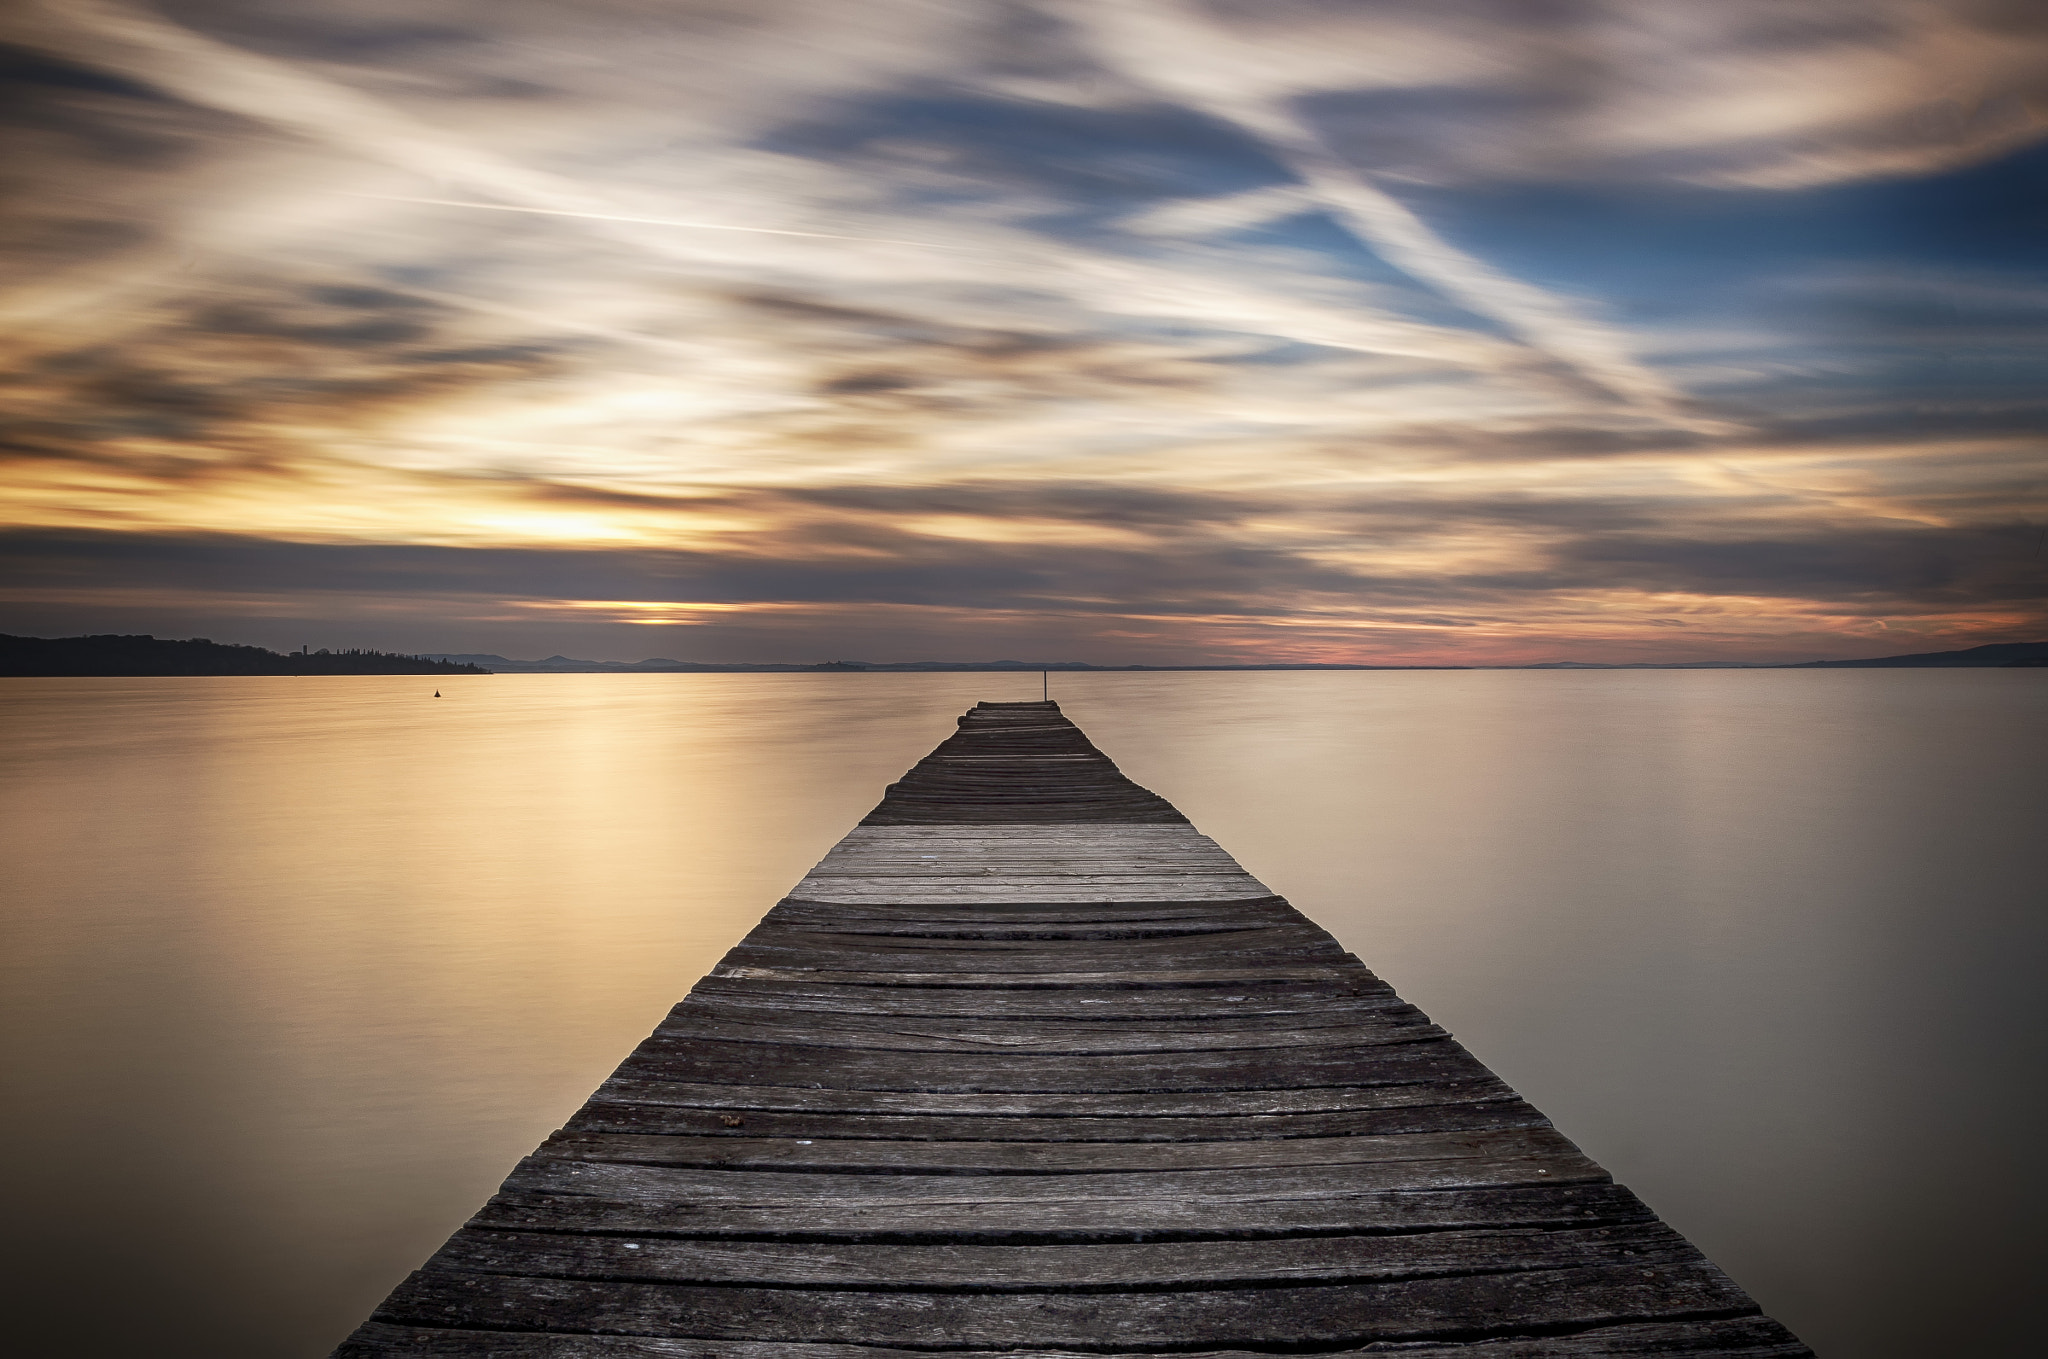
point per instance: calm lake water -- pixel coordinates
(295, 968)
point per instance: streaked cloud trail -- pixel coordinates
(1163, 44)
(642, 221)
(153, 50)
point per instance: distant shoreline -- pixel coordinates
(143, 656)
(1998, 654)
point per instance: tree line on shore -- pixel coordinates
(115, 654)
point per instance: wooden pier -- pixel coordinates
(1027, 1065)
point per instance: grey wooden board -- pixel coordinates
(1707, 1338)
(933, 963)
(631, 1200)
(1017, 935)
(1056, 1078)
(1022, 860)
(1126, 1265)
(1071, 1002)
(1078, 1016)
(1261, 909)
(716, 1060)
(1083, 1039)
(1024, 863)
(1042, 923)
(1135, 978)
(1081, 1191)
(949, 851)
(1108, 956)
(691, 1119)
(993, 890)
(1088, 947)
(1095, 1106)
(971, 921)
(1083, 1020)
(1333, 1314)
(1041, 1159)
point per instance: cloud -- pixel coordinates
(1260, 343)
(1751, 93)
(1164, 44)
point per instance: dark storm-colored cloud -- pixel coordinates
(1932, 417)
(1884, 572)
(214, 369)
(962, 575)
(1192, 557)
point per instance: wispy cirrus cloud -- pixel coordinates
(1169, 46)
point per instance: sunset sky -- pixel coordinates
(1397, 331)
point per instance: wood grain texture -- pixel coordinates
(1045, 1104)
(829, 1068)
(863, 1031)
(1351, 992)
(1454, 1109)
(1331, 1315)
(1038, 1159)
(612, 1200)
(1092, 1107)
(1331, 976)
(1713, 1338)
(942, 917)
(1180, 1265)
(1028, 1067)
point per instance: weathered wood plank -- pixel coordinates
(778, 956)
(1095, 1106)
(1479, 1108)
(719, 1061)
(1060, 920)
(1014, 853)
(543, 1173)
(997, 890)
(1083, 944)
(1081, 1020)
(1122, 1003)
(901, 931)
(613, 1202)
(1084, 1044)
(1743, 1337)
(1259, 1200)
(843, 1155)
(1333, 976)
(1081, 1039)
(1336, 1314)
(1027, 862)
(1183, 1265)
(1038, 968)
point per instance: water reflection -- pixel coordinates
(297, 968)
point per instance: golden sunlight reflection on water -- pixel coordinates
(297, 968)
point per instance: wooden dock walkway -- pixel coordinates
(1026, 1065)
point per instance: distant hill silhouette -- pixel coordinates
(1995, 654)
(661, 665)
(111, 654)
